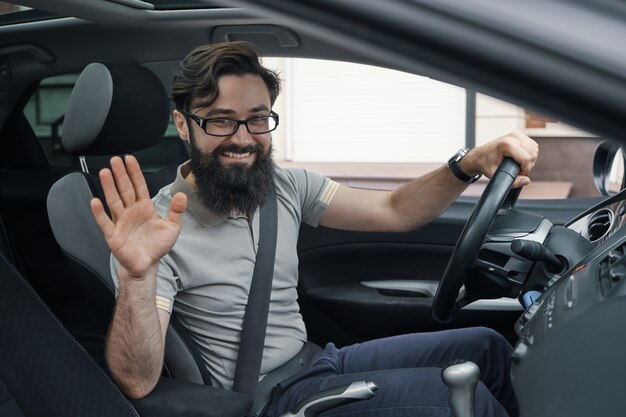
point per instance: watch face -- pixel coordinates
(456, 156)
(460, 154)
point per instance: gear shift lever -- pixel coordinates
(333, 397)
(461, 379)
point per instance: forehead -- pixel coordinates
(241, 92)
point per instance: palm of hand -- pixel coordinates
(142, 237)
(137, 236)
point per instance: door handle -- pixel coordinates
(404, 288)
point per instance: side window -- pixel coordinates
(45, 111)
(378, 128)
(343, 112)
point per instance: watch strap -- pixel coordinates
(453, 164)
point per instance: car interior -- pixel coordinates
(546, 274)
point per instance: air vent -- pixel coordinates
(599, 224)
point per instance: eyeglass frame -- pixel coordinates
(203, 122)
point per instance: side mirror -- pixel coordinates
(608, 168)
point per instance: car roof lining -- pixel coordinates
(112, 12)
(420, 43)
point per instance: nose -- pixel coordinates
(242, 137)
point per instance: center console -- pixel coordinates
(571, 356)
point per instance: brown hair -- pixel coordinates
(199, 72)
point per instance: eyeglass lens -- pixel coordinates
(255, 125)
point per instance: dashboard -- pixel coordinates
(570, 360)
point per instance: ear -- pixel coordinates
(180, 121)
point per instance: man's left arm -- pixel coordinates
(423, 199)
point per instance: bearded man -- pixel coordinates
(193, 249)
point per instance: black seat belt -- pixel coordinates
(255, 317)
(255, 325)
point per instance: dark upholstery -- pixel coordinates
(114, 108)
(43, 371)
(79, 236)
(8, 406)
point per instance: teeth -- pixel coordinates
(237, 155)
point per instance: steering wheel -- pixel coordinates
(447, 301)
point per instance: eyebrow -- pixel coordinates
(262, 107)
(219, 111)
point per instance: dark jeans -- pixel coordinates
(407, 370)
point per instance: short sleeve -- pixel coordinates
(168, 284)
(315, 192)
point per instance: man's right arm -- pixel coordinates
(138, 238)
(136, 340)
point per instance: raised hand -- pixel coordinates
(137, 235)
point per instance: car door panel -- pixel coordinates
(356, 286)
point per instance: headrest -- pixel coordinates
(115, 108)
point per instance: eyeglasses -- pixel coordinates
(226, 127)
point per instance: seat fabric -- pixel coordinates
(115, 108)
(43, 370)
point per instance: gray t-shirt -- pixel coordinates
(206, 276)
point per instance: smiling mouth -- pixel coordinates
(237, 155)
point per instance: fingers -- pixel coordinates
(177, 207)
(515, 145)
(520, 181)
(522, 157)
(136, 177)
(125, 188)
(520, 148)
(123, 184)
(110, 193)
(525, 151)
(106, 225)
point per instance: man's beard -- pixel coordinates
(237, 187)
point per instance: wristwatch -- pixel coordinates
(453, 164)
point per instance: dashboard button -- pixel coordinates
(571, 292)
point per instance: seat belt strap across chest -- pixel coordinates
(254, 325)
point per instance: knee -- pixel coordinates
(490, 342)
(491, 337)
(487, 333)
